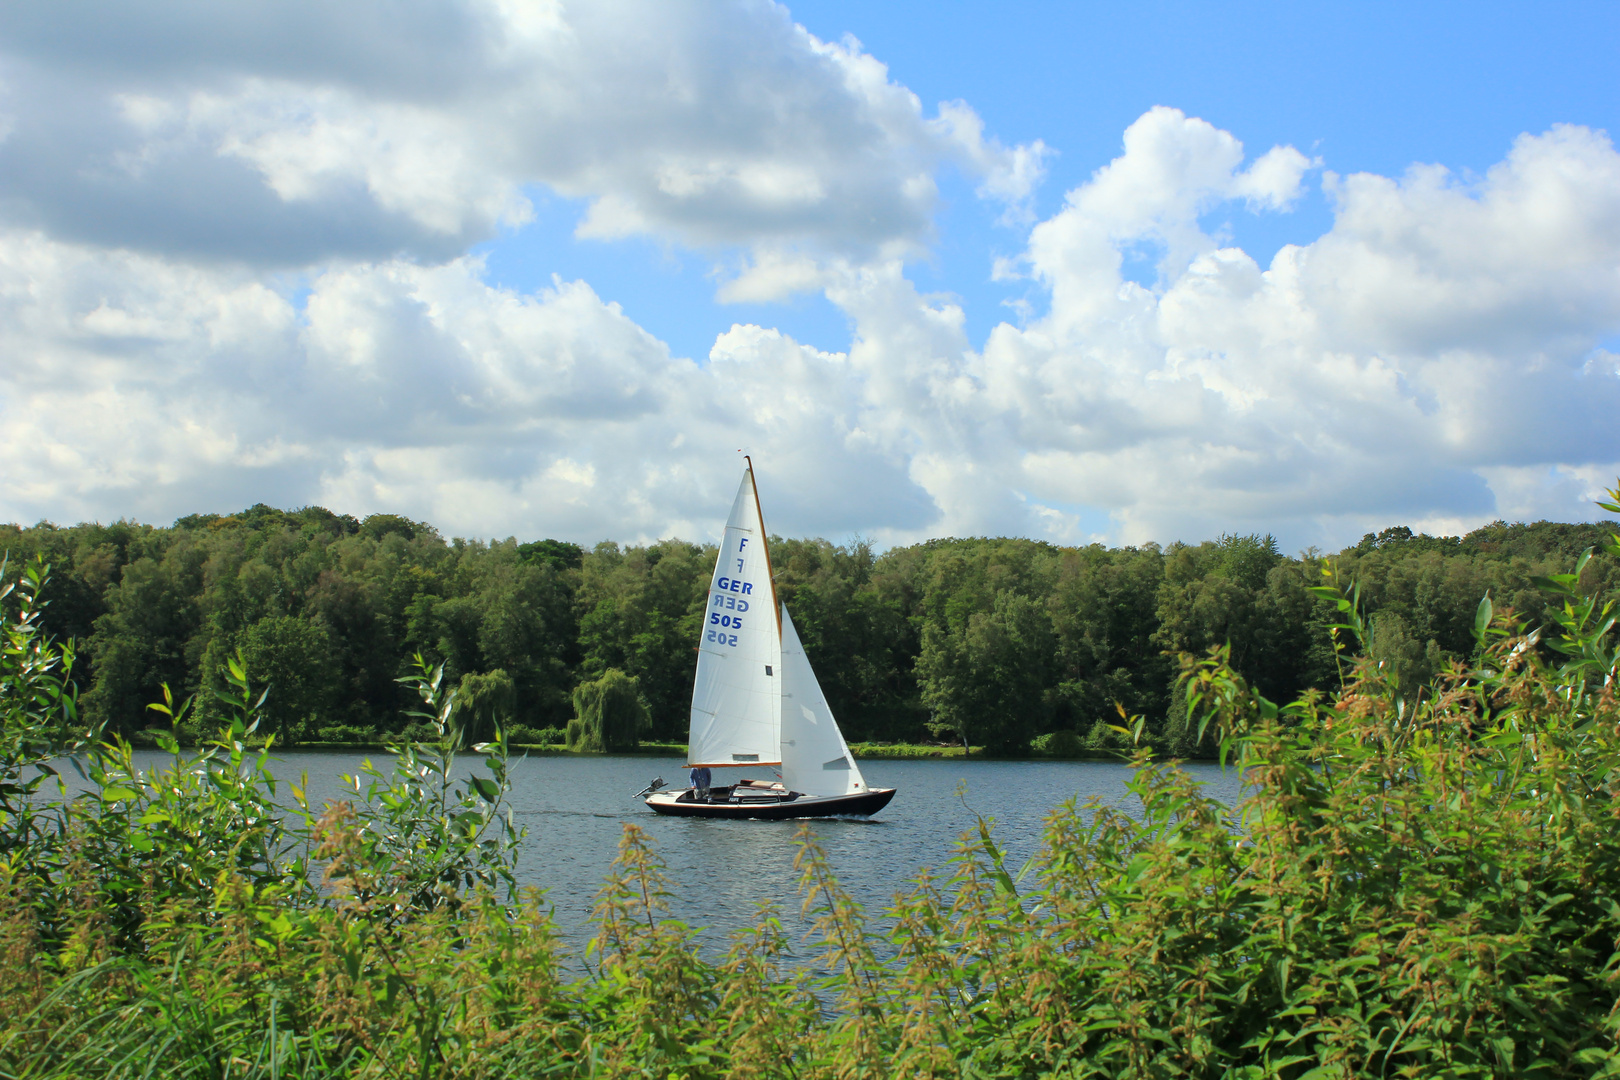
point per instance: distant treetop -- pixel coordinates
(559, 554)
(1533, 540)
(259, 517)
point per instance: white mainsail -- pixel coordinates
(815, 758)
(736, 706)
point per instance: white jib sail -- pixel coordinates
(815, 758)
(736, 693)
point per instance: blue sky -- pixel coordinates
(1368, 87)
(540, 269)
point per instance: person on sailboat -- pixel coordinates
(700, 783)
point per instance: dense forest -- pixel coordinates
(995, 642)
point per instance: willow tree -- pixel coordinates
(609, 714)
(486, 702)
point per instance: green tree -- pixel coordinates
(609, 714)
(858, 638)
(558, 554)
(988, 678)
(527, 629)
(485, 702)
(1406, 662)
(1104, 621)
(294, 656)
(145, 638)
(640, 609)
(1212, 595)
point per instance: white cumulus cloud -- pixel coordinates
(234, 267)
(291, 134)
(149, 389)
(1440, 333)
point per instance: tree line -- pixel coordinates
(1003, 643)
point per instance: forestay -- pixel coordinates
(815, 758)
(736, 693)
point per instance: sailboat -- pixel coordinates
(756, 703)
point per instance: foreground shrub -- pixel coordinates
(1421, 881)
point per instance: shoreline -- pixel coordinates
(861, 751)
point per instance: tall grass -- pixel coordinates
(1418, 884)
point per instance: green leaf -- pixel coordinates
(486, 788)
(1482, 617)
(1559, 584)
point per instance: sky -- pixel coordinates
(1077, 272)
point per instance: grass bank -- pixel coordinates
(908, 751)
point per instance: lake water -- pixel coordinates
(575, 808)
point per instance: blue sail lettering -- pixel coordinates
(747, 586)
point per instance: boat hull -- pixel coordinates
(864, 804)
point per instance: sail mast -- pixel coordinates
(770, 574)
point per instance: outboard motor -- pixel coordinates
(649, 789)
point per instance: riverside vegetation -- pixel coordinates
(1015, 646)
(1424, 880)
